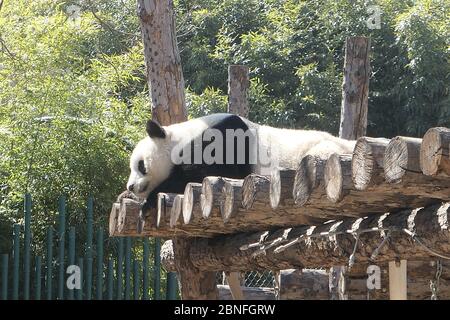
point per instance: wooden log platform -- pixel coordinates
(381, 175)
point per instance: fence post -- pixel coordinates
(38, 279)
(120, 270)
(157, 270)
(127, 267)
(99, 285)
(145, 270)
(26, 250)
(4, 295)
(80, 291)
(49, 283)
(71, 256)
(16, 262)
(110, 279)
(136, 285)
(88, 248)
(171, 291)
(61, 244)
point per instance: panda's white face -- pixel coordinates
(149, 164)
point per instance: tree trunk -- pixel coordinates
(162, 59)
(166, 83)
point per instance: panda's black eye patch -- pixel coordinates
(141, 167)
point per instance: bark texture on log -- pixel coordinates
(195, 284)
(434, 152)
(355, 88)
(330, 244)
(162, 60)
(238, 84)
(250, 293)
(255, 189)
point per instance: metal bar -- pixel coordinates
(157, 270)
(27, 247)
(49, 280)
(99, 285)
(79, 292)
(4, 292)
(127, 267)
(145, 269)
(61, 244)
(171, 291)
(110, 279)
(119, 271)
(136, 284)
(71, 257)
(16, 262)
(88, 248)
(38, 278)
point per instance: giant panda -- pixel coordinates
(171, 156)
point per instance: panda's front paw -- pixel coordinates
(127, 195)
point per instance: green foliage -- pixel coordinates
(73, 91)
(71, 108)
(295, 53)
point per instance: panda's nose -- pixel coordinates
(131, 187)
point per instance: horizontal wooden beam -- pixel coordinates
(412, 234)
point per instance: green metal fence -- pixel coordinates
(121, 275)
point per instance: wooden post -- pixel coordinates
(355, 93)
(398, 280)
(355, 88)
(166, 82)
(238, 84)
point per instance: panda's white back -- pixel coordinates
(287, 146)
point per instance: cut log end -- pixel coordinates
(363, 164)
(191, 201)
(281, 182)
(337, 176)
(307, 177)
(401, 156)
(211, 195)
(176, 210)
(232, 198)
(434, 152)
(164, 206)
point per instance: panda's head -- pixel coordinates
(150, 161)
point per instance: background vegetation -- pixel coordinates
(73, 93)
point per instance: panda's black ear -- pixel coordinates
(154, 130)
